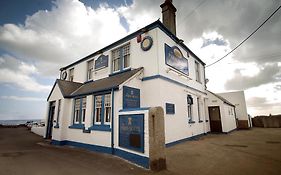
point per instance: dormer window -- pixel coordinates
(71, 74)
(121, 58)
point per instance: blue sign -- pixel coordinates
(170, 108)
(131, 97)
(175, 59)
(131, 132)
(101, 62)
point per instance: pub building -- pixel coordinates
(102, 101)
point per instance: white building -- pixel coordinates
(222, 114)
(238, 99)
(101, 102)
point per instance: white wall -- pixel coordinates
(238, 99)
(228, 121)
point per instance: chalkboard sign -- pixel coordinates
(131, 97)
(175, 59)
(170, 108)
(131, 132)
(101, 62)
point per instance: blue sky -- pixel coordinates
(37, 37)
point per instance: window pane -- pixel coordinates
(90, 69)
(107, 114)
(126, 61)
(98, 108)
(83, 115)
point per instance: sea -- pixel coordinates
(18, 122)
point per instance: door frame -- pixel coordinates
(209, 109)
(51, 114)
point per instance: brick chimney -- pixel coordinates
(169, 15)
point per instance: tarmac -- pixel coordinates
(256, 151)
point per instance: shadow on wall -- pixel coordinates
(272, 121)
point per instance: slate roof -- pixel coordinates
(221, 98)
(108, 83)
(71, 89)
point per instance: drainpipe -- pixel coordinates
(112, 122)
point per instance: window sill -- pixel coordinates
(191, 122)
(77, 126)
(100, 128)
(200, 121)
(120, 71)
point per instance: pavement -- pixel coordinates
(256, 151)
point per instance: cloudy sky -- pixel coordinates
(37, 37)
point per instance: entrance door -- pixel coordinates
(215, 119)
(50, 120)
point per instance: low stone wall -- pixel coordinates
(39, 130)
(267, 121)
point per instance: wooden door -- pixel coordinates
(215, 119)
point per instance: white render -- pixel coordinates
(228, 118)
(238, 99)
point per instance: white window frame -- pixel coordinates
(76, 119)
(121, 57)
(107, 104)
(71, 74)
(197, 72)
(90, 69)
(99, 106)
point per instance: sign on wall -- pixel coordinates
(131, 132)
(170, 108)
(175, 59)
(131, 97)
(101, 62)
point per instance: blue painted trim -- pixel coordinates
(83, 145)
(112, 122)
(191, 122)
(137, 159)
(134, 109)
(184, 140)
(133, 35)
(100, 127)
(120, 72)
(77, 126)
(171, 81)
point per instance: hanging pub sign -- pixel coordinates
(131, 132)
(175, 59)
(131, 97)
(101, 62)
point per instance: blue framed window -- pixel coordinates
(79, 112)
(121, 58)
(102, 112)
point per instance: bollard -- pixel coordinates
(156, 124)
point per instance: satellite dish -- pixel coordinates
(64, 75)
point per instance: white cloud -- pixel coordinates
(67, 32)
(19, 98)
(20, 74)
